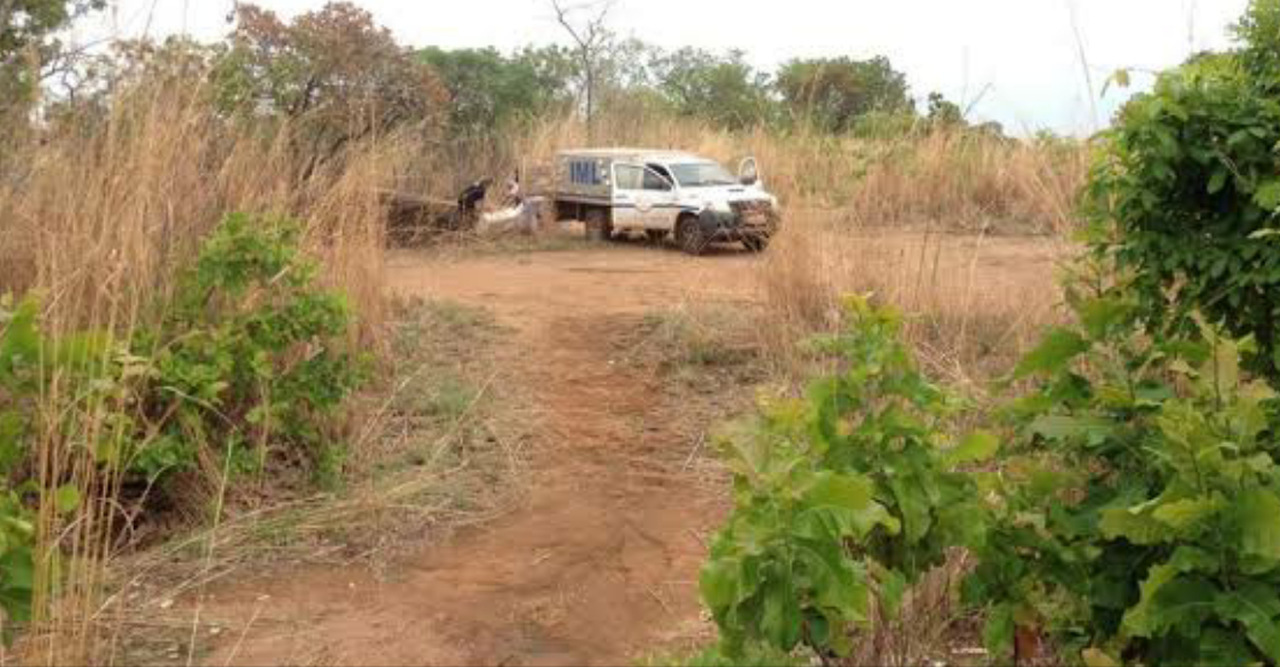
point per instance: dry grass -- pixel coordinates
(973, 303)
(98, 219)
(931, 626)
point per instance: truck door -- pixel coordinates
(660, 198)
(628, 196)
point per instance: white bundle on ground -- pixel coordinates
(521, 218)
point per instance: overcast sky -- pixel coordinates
(1022, 53)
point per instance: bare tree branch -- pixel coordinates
(591, 36)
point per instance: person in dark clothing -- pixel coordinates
(473, 195)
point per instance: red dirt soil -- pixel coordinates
(600, 564)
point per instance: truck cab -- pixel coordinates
(620, 192)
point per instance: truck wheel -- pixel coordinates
(755, 243)
(690, 237)
(598, 226)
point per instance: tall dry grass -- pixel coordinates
(98, 217)
(973, 302)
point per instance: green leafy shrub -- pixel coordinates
(251, 357)
(1186, 193)
(1140, 507)
(19, 354)
(85, 373)
(846, 493)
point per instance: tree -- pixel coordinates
(554, 70)
(333, 73)
(591, 37)
(722, 89)
(834, 92)
(29, 49)
(944, 112)
(488, 89)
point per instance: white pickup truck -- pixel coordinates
(620, 191)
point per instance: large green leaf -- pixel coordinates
(839, 582)
(1139, 619)
(892, 588)
(977, 446)
(718, 583)
(1099, 316)
(1258, 517)
(66, 499)
(1138, 527)
(914, 506)
(17, 581)
(1064, 427)
(1182, 514)
(1182, 605)
(20, 338)
(1194, 559)
(850, 498)
(780, 619)
(997, 633)
(1256, 606)
(1268, 195)
(1057, 348)
(13, 444)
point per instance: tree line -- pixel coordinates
(345, 74)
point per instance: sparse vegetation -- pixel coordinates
(203, 370)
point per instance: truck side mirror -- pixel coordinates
(748, 172)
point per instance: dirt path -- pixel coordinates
(601, 562)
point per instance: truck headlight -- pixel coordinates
(718, 206)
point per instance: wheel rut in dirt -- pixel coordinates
(597, 566)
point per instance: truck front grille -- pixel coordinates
(757, 214)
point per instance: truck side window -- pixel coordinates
(656, 177)
(629, 176)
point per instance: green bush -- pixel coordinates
(1186, 193)
(1139, 514)
(1135, 515)
(87, 385)
(251, 357)
(19, 358)
(839, 496)
(888, 125)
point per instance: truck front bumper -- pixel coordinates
(737, 225)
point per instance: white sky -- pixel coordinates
(1022, 52)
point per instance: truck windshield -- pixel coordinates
(701, 174)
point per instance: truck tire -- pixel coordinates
(755, 243)
(598, 226)
(689, 235)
